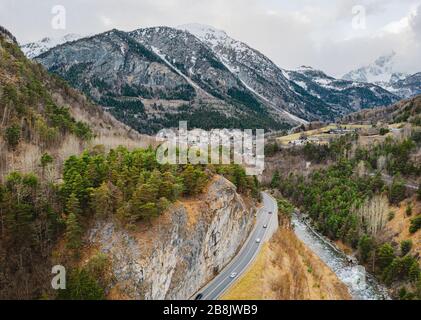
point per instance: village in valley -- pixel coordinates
(323, 134)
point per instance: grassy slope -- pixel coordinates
(287, 270)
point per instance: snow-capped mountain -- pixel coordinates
(151, 78)
(338, 93)
(406, 87)
(381, 71)
(258, 73)
(385, 73)
(305, 92)
(33, 49)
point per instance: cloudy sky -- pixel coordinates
(333, 35)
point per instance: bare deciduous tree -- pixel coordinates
(373, 214)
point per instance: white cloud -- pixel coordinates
(290, 32)
(107, 22)
(397, 27)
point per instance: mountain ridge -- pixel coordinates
(385, 73)
(34, 49)
(220, 77)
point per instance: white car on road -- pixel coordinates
(258, 240)
(233, 275)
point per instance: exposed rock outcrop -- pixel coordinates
(7, 35)
(177, 254)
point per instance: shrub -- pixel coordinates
(13, 136)
(83, 131)
(415, 224)
(365, 246)
(397, 191)
(82, 285)
(408, 210)
(406, 246)
(385, 256)
(46, 159)
(73, 232)
(285, 207)
(275, 180)
(414, 272)
(384, 131)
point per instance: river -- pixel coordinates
(361, 284)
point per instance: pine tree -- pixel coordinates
(104, 199)
(73, 232)
(13, 136)
(397, 191)
(240, 178)
(194, 180)
(385, 256)
(275, 180)
(73, 205)
(170, 188)
(365, 246)
(408, 210)
(45, 160)
(406, 246)
(414, 272)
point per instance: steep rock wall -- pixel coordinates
(174, 256)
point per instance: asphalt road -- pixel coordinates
(250, 249)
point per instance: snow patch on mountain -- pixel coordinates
(385, 73)
(381, 71)
(248, 65)
(34, 49)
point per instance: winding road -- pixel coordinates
(266, 223)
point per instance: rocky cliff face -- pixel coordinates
(180, 252)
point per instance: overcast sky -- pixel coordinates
(327, 34)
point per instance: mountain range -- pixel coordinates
(385, 73)
(151, 78)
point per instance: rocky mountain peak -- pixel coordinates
(205, 32)
(34, 49)
(380, 71)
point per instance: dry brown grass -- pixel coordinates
(287, 270)
(397, 229)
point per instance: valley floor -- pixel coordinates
(287, 270)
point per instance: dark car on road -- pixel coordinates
(199, 297)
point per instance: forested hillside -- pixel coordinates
(359, 191)
(42, 122)
(40, 114)
(404, 111)
(51, 190)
